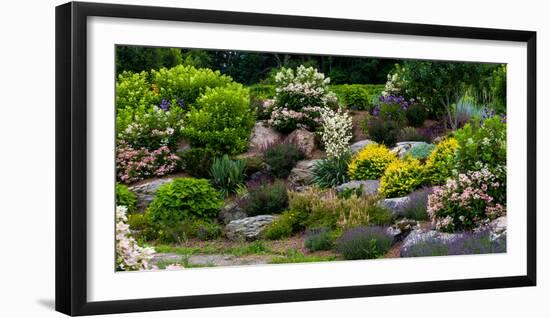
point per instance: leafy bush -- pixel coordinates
(416, 115)
(252, 164)
(267, 199)
(136, 164)
(133, 90)
(287, 224)
(300, 96)
(336, 132)
(281, 158)
(467, 202)
(331, 172)
(411, 134)
(125, 197)
(227, 174)
(481, 144)
(401, 178)
(186, 83)
(441, 162)
(197, 161)
(356, 96)
(262, 91)
(221, 120)
(320, 239)
(370, 163)
(417, 206)
(183, 199)
(381, 130)
(364, 243)
(420, 151)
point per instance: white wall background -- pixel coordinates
(27, 158)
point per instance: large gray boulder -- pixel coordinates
(432, 237)
(248, 229)
(263, 136)
(369, 187)
(357, 146)
(145, 191)
(303, 140)
(397, 206)
(302, 173)
(233, 210)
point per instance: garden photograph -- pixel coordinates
(240, 158)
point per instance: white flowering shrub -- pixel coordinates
(337, 131)
(299, 97)
(129, 255)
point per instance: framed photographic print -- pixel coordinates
(209, 158)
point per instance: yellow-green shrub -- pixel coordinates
(370, 162)
(401, 178)
(441, 162)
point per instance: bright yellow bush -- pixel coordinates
(401, 178)
(441, 162)
(370, 162)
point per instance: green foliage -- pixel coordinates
(186, 82)
(320, 239)
(287, 224)
(141, 58)
(133, 90)
(440, 164)
(197, 161)
(331, 172)
(420, 151)
(281, 158)
(364, 243)
(356, 96)
(481, 144)
(401, 178)
(227, 174)
(182, 199)
(416, 115)
(183, 230)
(267, 199)
(393, 112)
(370, 162)
(294, 256)
(221, 120)
(262, 91)
(411, 134)
(381, 130)
(123, 196)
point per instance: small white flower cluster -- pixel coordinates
(392, 85)
(337, 131)
(129, 255)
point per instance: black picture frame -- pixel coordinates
(71, 157)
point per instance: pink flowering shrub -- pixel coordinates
(129, 255)
(472, 199)
(136, 164)
(286, 120)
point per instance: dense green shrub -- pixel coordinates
(381, 130)
(262, 91)
(416, 115)
(281, 158)
(138, 58)
(370, 163)
(221, 120)
(267, 199)
(186, 83)
(133, 90)
(364, 243)
(287, 224)
(401, 178)
(354, 96)
(440, 164)
(319, 239)
(125, 197)
(227, 174)
(182, 199)
(183, 230)
(411, 134)
(420, 151)
(331, 172)
(481, 144)
(393, 112)
(197, 161)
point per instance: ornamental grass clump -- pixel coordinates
(469, 201)
(331, 172)
(364, 243)
(370, 163)
(401, 177)
(227, 175)
(129, 255)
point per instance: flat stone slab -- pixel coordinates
(213, 259)
(369, 187)
(145, 191)
(249, 228)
